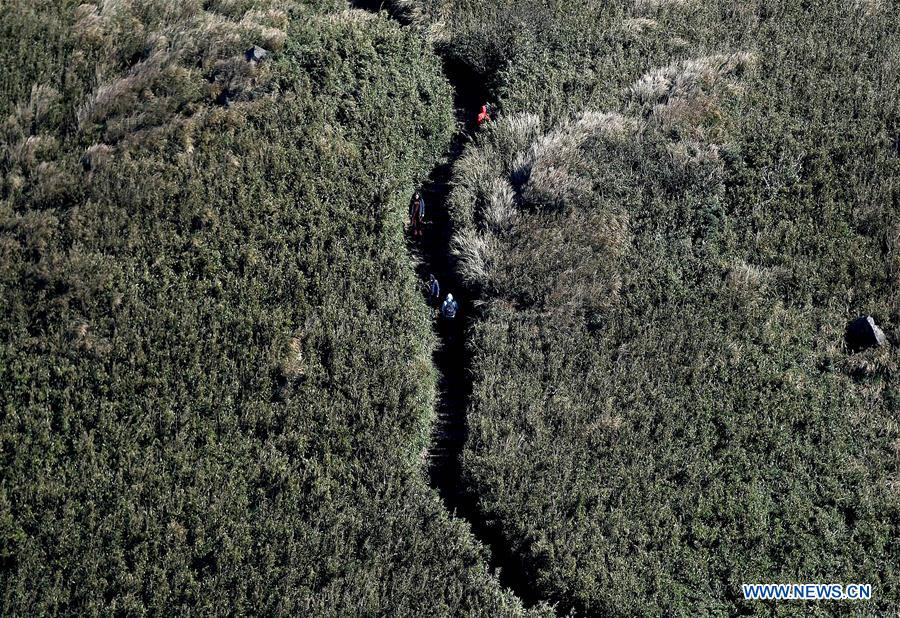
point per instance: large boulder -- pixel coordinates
(864, 333)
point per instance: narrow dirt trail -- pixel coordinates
(451, 358)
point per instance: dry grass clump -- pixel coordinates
(32, 115)
(271, 24)
(696, 158)
(684, 99)
(742, 275)
(500, 211)
(27, 153)
(753, 286)
(528, 212)
(22, 129)
(688, 78)
(639, 25)
(90, 26)
(473, 177)
(615, 128)
(514, 134)
(237, 8)
(161, 58)
(605, 423)
(83, 337)
(290, 364)
(120, 95)
(558, 163)
(50, 181)
(553, 178)
(882, 361)
(409, 10)
(500, 153)
(477, 253)
(28, 150)
(348, 16)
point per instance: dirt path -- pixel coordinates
(451, 359)
(451, 356)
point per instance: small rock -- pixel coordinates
(255, 54)
(864, 333)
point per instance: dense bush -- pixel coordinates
(215, 380)
(670, 226)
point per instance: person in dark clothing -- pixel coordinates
(417, 214)
(420, 218)
(434, 292)
(414, 214)
(434, 295)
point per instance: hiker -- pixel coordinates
(434, 293)
(413, 213)
(449, 308)
(484, 115)
(417, 214)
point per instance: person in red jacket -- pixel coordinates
(484, 115)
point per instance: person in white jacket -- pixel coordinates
(449, 308)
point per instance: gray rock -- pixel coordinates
(864, 333)
(255, 54)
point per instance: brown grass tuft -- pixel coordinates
(477, 252)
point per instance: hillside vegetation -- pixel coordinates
(669, 227)
(215, 380)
